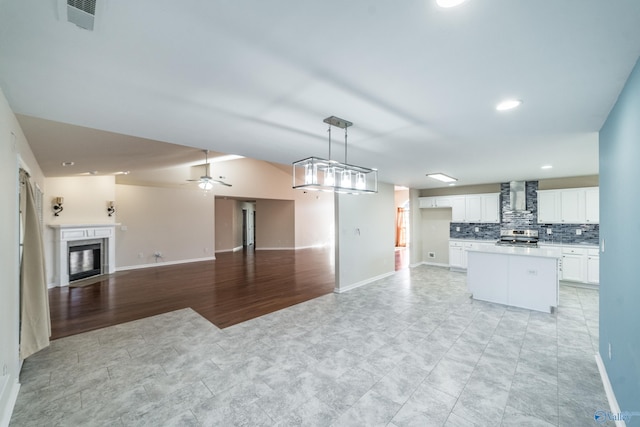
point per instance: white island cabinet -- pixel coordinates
(519, 277)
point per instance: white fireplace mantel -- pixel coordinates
(65, 233)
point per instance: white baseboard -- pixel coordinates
(159, 264)
(236, 249)
(611, 397)
(432, 264)
(363, 282)
(11, 392)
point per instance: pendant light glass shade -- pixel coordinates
(315, 173)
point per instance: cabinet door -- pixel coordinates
(427, 202)
(443, 202)
(573, 267)
(592, 202)
(491, 208)
(593, 269)
(572, 206)
(456, 256)
(458, 207)
(548, 207)
(473, 209)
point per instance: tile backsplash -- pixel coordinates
(560, 233)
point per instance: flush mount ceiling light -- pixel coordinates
(315, 173)
(65, 164)
(449, 3)
(546, 167)
(508, 104)
(442, 177)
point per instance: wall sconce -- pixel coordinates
(111, 208)
(57, 205)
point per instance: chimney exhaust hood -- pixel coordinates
(517, 196)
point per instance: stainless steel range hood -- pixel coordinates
(518, 196)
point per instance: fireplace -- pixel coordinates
(83, 251)
(85, 260)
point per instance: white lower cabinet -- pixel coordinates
(593, 266)
(458, 252)
(456, 255)
(580, 265)
(573, 264)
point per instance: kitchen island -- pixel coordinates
(515, 276)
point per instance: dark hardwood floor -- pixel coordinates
(237, 286)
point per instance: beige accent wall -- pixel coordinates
(415, 230)
(85, 199)
(227, 225)
(14, 153)
(365, 237)
(435, 235)
(465, 189)
(275, 224)
(177, 222)
(572, 182)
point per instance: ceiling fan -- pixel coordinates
(206, 182)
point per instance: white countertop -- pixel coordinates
(515, 250)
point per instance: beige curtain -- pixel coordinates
(401, 230)
(35, 321)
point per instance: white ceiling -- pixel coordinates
(257, 78)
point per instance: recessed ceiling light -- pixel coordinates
(546, 167)
(68, 164)
(441, 177)
(449, 3)
(508, 104)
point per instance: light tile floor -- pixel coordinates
(409, 350)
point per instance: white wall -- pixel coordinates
(365, 236)
(13, 144)
(177, 222)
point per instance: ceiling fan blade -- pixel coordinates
(221, 182)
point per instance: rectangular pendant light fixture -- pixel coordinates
(317, 174)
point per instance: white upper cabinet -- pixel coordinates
(435, 202)
(491, 207)
(569, 206)
(458, 209)
(572, 206)
(473, 209)
(592, 202)
(467, 208)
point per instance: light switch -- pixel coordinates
(477, 229)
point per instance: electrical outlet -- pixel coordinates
(432, 254)
(477, 229)
(457, 228)
(157, 254)
(549, 231)
(578, 232)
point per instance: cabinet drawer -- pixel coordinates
(574, 251)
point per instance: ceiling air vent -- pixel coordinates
(81, 13)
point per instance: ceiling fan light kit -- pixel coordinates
(317, 174)
(206, 182)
